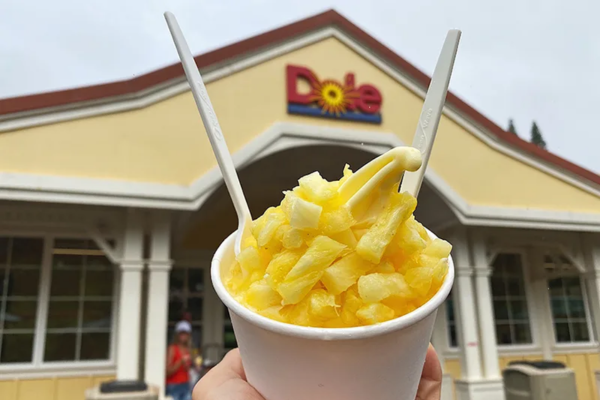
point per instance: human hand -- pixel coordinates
(227, 380)
(430, 386)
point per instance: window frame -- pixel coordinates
(188, 265)
(592, 342)
(37, 363)
(529, 298)
(201, 260)
(447, 324)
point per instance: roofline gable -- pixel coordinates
(14, 108)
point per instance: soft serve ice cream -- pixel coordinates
(341, 254)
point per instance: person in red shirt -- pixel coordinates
(179, 362)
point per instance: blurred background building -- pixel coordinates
(111, 206)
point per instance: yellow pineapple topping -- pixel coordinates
(311, 262)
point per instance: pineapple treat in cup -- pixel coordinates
(335, 294)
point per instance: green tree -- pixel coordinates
(536, 136)
(511, 127)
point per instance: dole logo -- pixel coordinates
(332, 99)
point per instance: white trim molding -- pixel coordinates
(166, 90)
(28, 187)
(67, 370)
(280, 136)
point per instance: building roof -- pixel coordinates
(104, 92)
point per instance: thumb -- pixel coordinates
(430, 386)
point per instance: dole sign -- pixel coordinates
(331, 99)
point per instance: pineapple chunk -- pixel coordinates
(259, 223)
(309, 269)
(305, 215)
(336, 322)
(250, 241)
(293, 239)
(346, 237)
(438, 248)
(414, 224)
(298, 314)
(439, 273)
(273, 313)
(345, 273)
(359, 232)
(373, 244)
(403, 263)
(347, 174)
(261, 296)
(322, 305)
(237, 280)
(316, 189)
(385, 267)
(400, 305)
(336, 221)
(251, 260)
(375, 313)
(426, 261)
(266, 232)
(409, 239)
(287, 203)
(280, 233)
(376, 287)
(351, 304)
(281, 265)
(268, 250)
(419, 279)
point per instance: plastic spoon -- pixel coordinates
(213, 130)
(432, 111)
(411, 161)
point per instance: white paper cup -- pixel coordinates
(289, 362)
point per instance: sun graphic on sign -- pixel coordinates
(332, 97)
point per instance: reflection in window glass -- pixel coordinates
(451, 321)
(568, 310)
(511, 313)
(80, 307)
(229, 340)
(20, 272)
(186, 299)
(16, 348)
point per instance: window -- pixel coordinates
(80, 304)
(186, 296)
(568, 310)
(510, 301)
(229, 341)
(73, 286)
(20, 274)
(451, 321)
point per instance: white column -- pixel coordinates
(130, 300)
(439, 340)
(159, 266)
(539, 284)
(464, 296)
(485, 309)
(473, 385)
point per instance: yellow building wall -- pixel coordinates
(57, 388)
(164, 143)
(584, 365)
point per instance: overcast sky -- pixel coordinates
(529, 60)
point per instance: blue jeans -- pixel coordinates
(179, 391)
